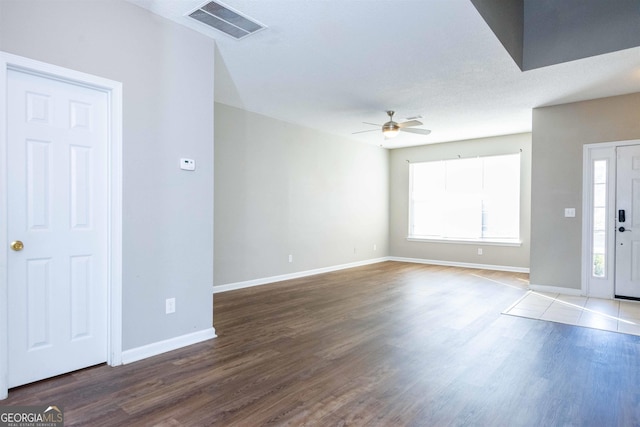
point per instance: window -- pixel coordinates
(599, 237)
(475, 199)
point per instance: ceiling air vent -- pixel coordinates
(226, 20)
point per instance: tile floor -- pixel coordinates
(609, 315)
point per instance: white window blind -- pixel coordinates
(466, 199)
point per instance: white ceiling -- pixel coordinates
(332, 64)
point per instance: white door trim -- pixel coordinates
(604, 150)
(113, 90)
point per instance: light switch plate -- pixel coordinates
(569, 212)
(170, 305)
(188, 164)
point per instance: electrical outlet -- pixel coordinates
(479, 251)
(170, 305)
(290, 258)
(375, 247)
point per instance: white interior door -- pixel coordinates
(58, 208)
(627, 275)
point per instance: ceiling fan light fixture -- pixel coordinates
(390, 129)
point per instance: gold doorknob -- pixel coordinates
(17, 245)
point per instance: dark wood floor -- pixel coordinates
(386, 344)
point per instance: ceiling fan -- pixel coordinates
(390, 129)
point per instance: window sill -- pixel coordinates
(487, 242)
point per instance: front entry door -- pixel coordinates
(58, 222)
(627, 274)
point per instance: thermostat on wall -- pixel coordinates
(188, 164)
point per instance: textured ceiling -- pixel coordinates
(332, 64)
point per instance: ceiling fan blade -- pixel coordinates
(373, 124)
(410, 123)
(363, 131)
(418, 131)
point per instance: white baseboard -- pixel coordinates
(156, 348)
(555, 289)
(297, 275)
(461, 264)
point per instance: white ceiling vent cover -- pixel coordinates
(222, 18)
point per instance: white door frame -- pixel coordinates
(113, 90)
(591, 286)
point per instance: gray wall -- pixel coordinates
(539, 33)
(559, 133)
(560, 31)
(506, 20)
(283, 189)
(167, 76)
(461, 253)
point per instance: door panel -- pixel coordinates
(80, 188)
(38, 303)
(57, 167)
(38, 179)
(627, 280)
(81, 280)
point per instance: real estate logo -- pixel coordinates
(31, 416)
